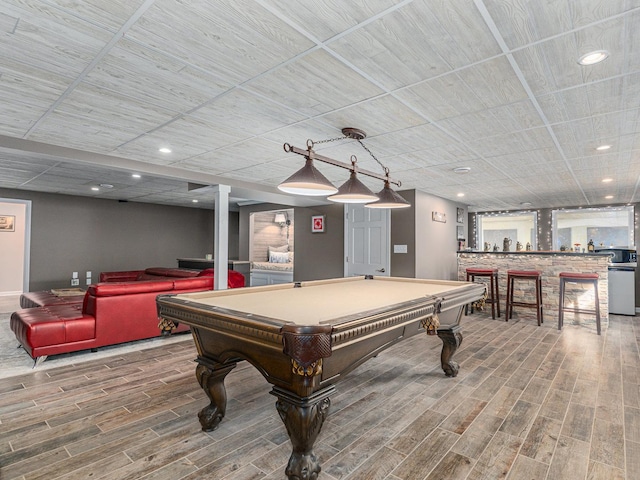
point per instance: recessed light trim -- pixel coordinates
(603, 147)
(607, 180)
(594, 57)
(136, 175)
(461, 194)
(95, 189)
(194, 201)
(609, 197)
(164, 150)
(462, 170)
(106, 185)
(525, 204)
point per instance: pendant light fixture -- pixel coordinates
(309, 181)
(353, 190)
(387, 198)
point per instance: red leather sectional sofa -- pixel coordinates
(121, 308)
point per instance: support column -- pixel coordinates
(221, 237)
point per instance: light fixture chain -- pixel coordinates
(330, 140)
(385, 169)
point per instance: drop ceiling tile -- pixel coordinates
(315, 84)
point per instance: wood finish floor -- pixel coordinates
(529, 403)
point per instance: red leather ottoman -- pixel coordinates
(49, 330)
(40, 299)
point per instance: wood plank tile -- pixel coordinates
(452, 467)
(541, 440)
(632, 424)
(426, 456)
(598, 471)
(555, 404)
(520, 418)
(607, 443)
(632, 459)
(416, 432)
(378, 465)
(525, 467)
(578, 422)
(570, 460)
(497, 459)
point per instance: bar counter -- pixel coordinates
(550, 263)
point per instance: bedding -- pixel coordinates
(275, 267)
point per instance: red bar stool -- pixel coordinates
(572, 277)
(524, 275)
(494, 295)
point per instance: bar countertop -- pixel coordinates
(537, 252)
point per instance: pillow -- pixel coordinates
(278, 257)
(283, 248)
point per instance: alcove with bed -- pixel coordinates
(271, 247)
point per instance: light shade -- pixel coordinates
(388, 199)
(308, 181)
(280, 218)
(353, 191)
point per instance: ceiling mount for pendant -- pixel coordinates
(354, 133)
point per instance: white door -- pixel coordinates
(367, 239)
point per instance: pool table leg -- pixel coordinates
(211, 376)
(451, 340)
(303, 417)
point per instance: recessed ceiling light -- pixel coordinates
(603, 147)
(164, 150)
(525, 204)
(594, 57)
(106, 185)
(609, 197)
(607, 180)
(461, 194)
(462, 169)
(95, 189)
(136, 175)
(194, 201)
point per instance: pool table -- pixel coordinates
(305, 337)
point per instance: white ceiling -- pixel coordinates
(89, 90)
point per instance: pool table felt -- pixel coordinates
(323, 302)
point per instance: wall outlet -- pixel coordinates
(88, 280)
(75, 282)
(74, 275)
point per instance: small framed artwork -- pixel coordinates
(7, 223)
(317, 224)
(460, 232)
(460, 216)
(439, 217)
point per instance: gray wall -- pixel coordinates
(81, 234)
(436, 242)
(403, 232)
(317, 255)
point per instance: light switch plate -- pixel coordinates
(399, 249)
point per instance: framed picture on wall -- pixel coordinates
(460, 216)
(460, 232)
(317, 224)
(7, 223)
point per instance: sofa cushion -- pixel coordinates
(204, 283)
(207, 272)
(129, 288)
(171, 272)
(44, 326)
(124, 276)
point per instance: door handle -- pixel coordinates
(381, 270)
